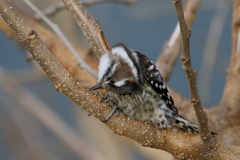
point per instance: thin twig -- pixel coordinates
(191, 75)
(171, 50)
(57, 30)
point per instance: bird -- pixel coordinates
(135, 87)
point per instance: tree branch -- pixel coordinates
(90, 27)
(171, 50)
(63, 37)
(191, 75)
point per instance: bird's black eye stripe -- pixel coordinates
(111, 81)
(109, 70)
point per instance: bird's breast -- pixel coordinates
(143, 106)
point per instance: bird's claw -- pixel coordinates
(111, 114)
(113, 102)
(117, 113)
(103, 99)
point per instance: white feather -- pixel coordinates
(120, 83)
(104, 64)
(135, 56)
(119, 50)
(151, 67)
(163, 86)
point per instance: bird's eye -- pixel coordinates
(111, 81)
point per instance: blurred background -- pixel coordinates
(144, 26)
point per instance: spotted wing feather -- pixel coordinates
(153, 77)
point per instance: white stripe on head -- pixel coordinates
(120, 83)
(135, 56)
(119, 50)
(104, 64)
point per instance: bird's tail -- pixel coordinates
(186, 125)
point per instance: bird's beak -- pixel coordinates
(96, 86)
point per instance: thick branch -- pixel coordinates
(191, 75)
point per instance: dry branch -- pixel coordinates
(171, 50)
(90, 27)
(191, 75)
